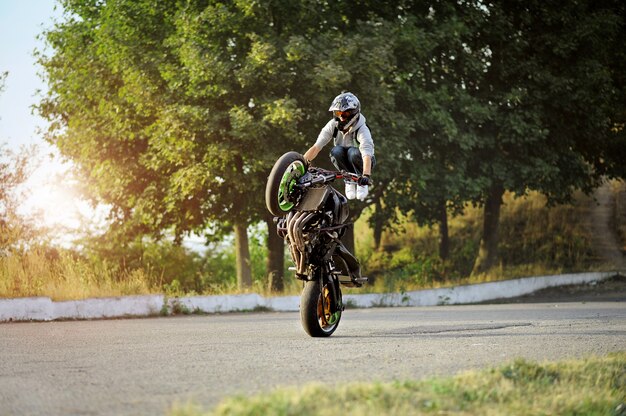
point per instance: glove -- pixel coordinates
(364, 180)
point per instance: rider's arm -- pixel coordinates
(312, 153)
(325, 136)
(366, 146)
(367, 165)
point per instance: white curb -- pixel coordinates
(476, 293)
(107, 307)
(25, 309)
(44, 309)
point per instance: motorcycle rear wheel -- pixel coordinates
(279, 190)
(319, 319)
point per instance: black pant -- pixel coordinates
(348, 159)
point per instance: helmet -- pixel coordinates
(346, 108)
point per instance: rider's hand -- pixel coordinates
(364, 180)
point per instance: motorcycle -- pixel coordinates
(311, 216)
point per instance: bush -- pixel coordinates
(534, 239)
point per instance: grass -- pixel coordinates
(62, 275)
(68, 277)
(590, 386)
(35, 273)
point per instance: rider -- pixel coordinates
(353, 149)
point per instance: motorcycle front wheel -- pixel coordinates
(319, 312)
(280, 187)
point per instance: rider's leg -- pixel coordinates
(339, 157)
(355, 160)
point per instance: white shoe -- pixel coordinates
(350, 190)
(361, 192)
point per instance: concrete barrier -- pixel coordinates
(475, 293)
(215, 304)
(127, 306)
(25, 309)
(44, 309)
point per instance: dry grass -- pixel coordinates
(36, 273)
(535, 240)
(67, 277)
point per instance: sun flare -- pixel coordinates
(56, 205)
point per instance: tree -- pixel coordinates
(551, 95)
(504, 96)
(435, 49)
(15, 169)
(174, 113)
(163, 107)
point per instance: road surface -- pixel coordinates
(143, 366)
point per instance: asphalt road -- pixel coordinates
(143, 366)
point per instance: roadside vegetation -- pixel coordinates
(535, 240)
(590, 386)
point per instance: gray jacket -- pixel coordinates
(363, 139)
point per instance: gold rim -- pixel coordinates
(324, 315)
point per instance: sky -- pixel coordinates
(20, 23)
(52, 197)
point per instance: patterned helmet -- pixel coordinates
(345, 108)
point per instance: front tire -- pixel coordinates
(279, 190)
(319, 319)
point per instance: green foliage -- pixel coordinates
(507, 99)
(525, 230)
(404, 269)
(181, 270)
(185, 91)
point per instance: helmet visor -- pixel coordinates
(344, 115)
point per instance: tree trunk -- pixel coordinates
(275, 257)
(488, 252)
(444, 237)
(378, 224)
(242, 250)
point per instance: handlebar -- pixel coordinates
(335, 174)
(318, 175)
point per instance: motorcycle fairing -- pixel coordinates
(314, 199)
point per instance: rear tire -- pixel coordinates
(315, 321)
(279, 190)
